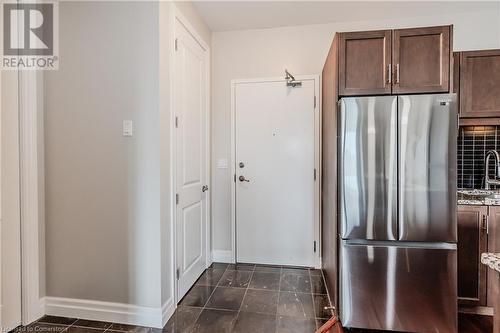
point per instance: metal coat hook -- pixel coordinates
(290, 80)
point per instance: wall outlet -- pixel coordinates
(128, 128)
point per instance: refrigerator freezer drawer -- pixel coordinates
(400, 288)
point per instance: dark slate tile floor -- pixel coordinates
(241, 298)
(51, 324)
(253, 298)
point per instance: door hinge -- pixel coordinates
(235, 178)
(314, 246)
(177, 273)
(176, 44)
(177, 198)
(315, 102)
(176, 122)
(314, 174)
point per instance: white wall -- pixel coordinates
(302, 50)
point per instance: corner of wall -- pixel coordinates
(223, 256)
(190, 12)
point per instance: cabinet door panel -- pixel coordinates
(422, 60)
(364, 63)
(480, 84)
(493, 246)
(472, 241)
(456, 74)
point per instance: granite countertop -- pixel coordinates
(477, 197)
(492, 260)
(479, 202)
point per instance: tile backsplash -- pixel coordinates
(473, 144)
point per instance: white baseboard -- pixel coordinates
(167, 310)
(110, 312)
(222, 256)
(37, 311)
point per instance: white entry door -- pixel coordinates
(191, 158)
(275, 161)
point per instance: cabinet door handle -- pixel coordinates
(389, 73)
(486, 223)
(397, 73)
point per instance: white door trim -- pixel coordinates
(1, 211)
(173, 160)
(317, 158)
(31, 196)
(30, 153)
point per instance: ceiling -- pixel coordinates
(243, 15)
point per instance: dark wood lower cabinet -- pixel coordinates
(493, 246)
(472, 241)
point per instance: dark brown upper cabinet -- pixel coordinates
(400, 61)
(480, 84)
(365, 63)
(422, 60)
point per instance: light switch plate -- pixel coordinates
(128, 128)
(222, 163)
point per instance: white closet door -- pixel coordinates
(191, 153)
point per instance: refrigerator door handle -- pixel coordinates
(408, 245)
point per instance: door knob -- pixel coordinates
(242, 179)
(204, 188)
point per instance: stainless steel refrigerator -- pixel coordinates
(397, 184)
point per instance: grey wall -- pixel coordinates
(108, 205)
(102, 189)
(302, 49)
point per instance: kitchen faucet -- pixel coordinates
(487, 180)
